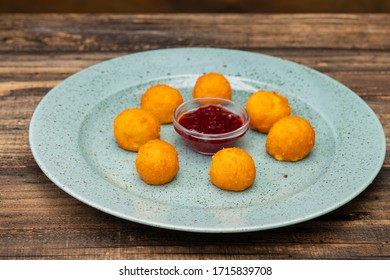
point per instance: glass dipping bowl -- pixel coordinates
(207, 143)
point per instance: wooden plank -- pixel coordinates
(85, 33)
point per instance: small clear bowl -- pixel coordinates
(209, 144)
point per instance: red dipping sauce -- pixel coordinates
(210, 124)
(211, 119)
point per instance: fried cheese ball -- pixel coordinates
(290, 139)
(161, 100)
(232, 169)
(157, 162)
(265, 108)
(134, 127)
(212, 85)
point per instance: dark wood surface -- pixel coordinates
(195, 6)
(40, 221)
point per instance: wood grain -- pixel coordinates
(40, 221)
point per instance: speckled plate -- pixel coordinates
(72, 140)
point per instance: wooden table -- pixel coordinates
(40, 221)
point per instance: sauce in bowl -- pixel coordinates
(211, 119)
(210, 124)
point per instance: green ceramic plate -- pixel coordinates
(71, 138)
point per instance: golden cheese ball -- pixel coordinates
(265, 108)
(232, 169)
(161, 100)
(290, 139)
(212, 85)
(157, 162)
(134, 127)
